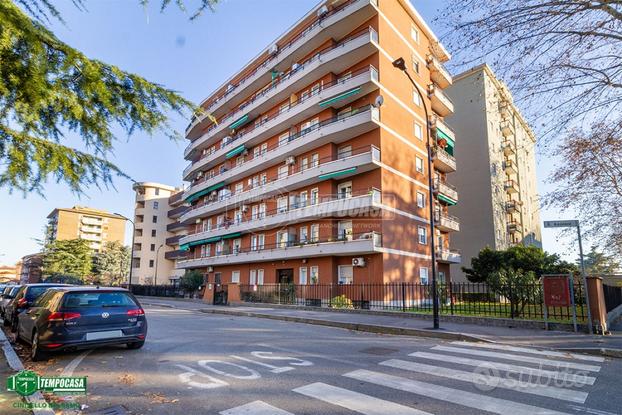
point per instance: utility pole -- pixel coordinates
(129, 283)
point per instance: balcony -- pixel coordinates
(363, 159)
(337, 93)
(509, 166)
(514, 227)
(90, 229)
(326, 206)
(333, 130)
(445, 192)
(504, 109)
(173, 240)
(335, 59)
(359, 244)
(507, 129)
(446, 223)
(439, 74)
(176, 198)
(176, 255)
(441, 104)
(175, 226)
(448, 256)
(91, 221)
(508, 147)
(177, 212)
(443, 161)
(513, 206)
(511, 186)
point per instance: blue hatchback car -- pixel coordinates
(78, 317)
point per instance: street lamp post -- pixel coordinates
(129, 283)
(401, 65)
(156, 267)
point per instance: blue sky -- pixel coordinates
(190, 57)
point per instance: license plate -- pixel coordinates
(104, 335)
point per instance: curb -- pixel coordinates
(596, 351)
(16, 364)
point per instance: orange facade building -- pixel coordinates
(316, 171)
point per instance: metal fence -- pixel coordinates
(157, 290)
(466, 299)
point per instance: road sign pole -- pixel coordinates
(574, 305)
(587, 296)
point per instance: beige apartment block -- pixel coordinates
(93, 225)
(157, 233)
(316, 130)
(499, 204)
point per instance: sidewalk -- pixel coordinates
(401, 324)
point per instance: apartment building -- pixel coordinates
(79, 222)
(499, 204)
(31, 268)
(316, 171)
(157, 233)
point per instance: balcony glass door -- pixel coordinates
(344, 229)
(344, 190)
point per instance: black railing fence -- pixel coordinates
(469, 299)
(613, 296)
(158, 290)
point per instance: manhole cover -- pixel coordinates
(113, 410)
(381, 351)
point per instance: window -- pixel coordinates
(151, 263)
(304, 234)
(235, 277)
(257, 242)
(264, 148)
(344, 152)
(344, 113)
(309, 125)
(157, 192)
(344, 190)
(263, 178)
(256, 151)
(153, 233)
(283, 171)
(315, 160)
(239, 161)
(281, 205)
(346, 274)
(315, 275)
(345, 77)
(284, 107)
(315, 232)
(154, 219)
(220, 221)
(262, 211)
(256, 276)
(239, 187)
(283, 138)
(423, 275)
(303, 276)
(204, 250)
(254, 212)
(423, 235)
(420, 200)
(237, 246)
(156, 205)
(237, 216)
(416, 97)
(315, 196)
(415, 62)
(260, 276)
(419, 164)
(252, 279)
(303, 199)
(418, 131)
(304, 164)
(220, 248)
(152, 248)
(281, 239)
(414, 33)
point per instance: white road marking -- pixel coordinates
(568, 377)
(255, 408)
(207, 365)
(550, 353)
(187, 377)
(68, 370)
(527, 359)
(270, 356)
(273, 369)
(354, 401)
(455, 396)
(314, 355)
(484, 382)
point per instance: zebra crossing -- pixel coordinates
(479, 369)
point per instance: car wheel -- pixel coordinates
(36, 354)
(135, 345)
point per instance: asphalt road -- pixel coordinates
(195, 363)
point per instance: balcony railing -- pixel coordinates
(439, 74)
(269, 89)
(172, 255)
(175, 226)
(451, 256)
(445, 192)
(444, 161)
(233, 165)
(178, 211)
(294, 170)
(441, 103)
(511, 186)
(510, 167)
(447, 223)
(507, 129)
(173, 240)
(513, 206)
(514, 227)
(268, 63)
(176, 198)
(508, 147)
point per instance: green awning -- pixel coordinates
(235, 151)
(447, 200)
(450, 142)
(336, 174)
(239, 122)
(339, 97)
(232, 235)
(186, 247)
(203, 192)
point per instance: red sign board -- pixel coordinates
(556, 291)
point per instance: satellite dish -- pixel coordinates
(379, 101)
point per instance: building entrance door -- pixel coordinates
(285, 276)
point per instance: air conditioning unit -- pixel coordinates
(322, 11)
(226, 140)
(210, 269)
(358, 262)
(290, 160)
(295, 66)
(273, 49)
(230, 87)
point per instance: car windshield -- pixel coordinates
(98, 299)
(13, 291)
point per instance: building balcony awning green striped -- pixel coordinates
(239, 122)
(339, 97)
(232, 235)
(447, 200)
(203, 192)
(235, 152)
(450, 142)
(336, 174)
(186, 247)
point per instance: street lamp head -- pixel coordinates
(400, 64)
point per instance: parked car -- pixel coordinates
(24, 298)
(71, 318)
(6, 296)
